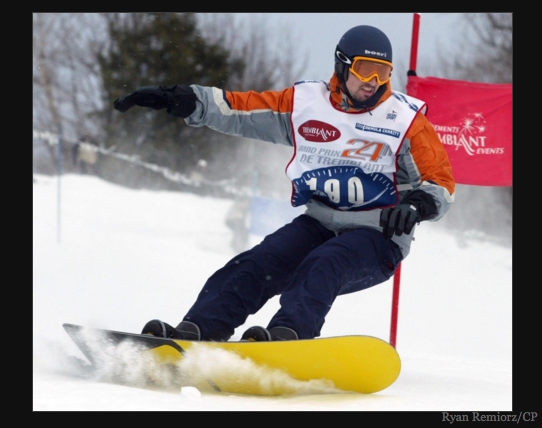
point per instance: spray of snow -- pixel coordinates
(203, 367)
(217, 366)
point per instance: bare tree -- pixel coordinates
(485, 55)
(271, 62)
(267, 53)
(485, 49)
(46, 114)
(65, 78)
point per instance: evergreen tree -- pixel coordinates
(159, 49)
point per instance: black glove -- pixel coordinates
(415, 207)
(180, 100)
(398, 220)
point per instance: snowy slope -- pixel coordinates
(128, 256)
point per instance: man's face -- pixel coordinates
(359, 90)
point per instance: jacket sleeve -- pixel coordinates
(428, 168)
(263, 116)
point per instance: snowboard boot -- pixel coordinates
(256, 334)
(260, 334)
(283, 333)
(186, 330)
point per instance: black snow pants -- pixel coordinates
(306, 264)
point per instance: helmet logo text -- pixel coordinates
(384, 54)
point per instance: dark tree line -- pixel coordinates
(83, 62)
(163, 49)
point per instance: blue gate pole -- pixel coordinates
(59, 174)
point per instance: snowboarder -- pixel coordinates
(367, 164)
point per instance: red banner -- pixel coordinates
(474, 122)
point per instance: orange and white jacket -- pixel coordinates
(421, 162)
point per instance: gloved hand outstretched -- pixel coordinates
(398, 220)
(180, 100)
(417, 206)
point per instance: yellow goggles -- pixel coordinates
(367, 68)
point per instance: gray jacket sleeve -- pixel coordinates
(214, 111)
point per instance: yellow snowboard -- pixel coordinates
(360, 364)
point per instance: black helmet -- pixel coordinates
(366, 41)
(363, 40)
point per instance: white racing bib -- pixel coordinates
(346, 160)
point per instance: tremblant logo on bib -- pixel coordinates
(318, 132)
